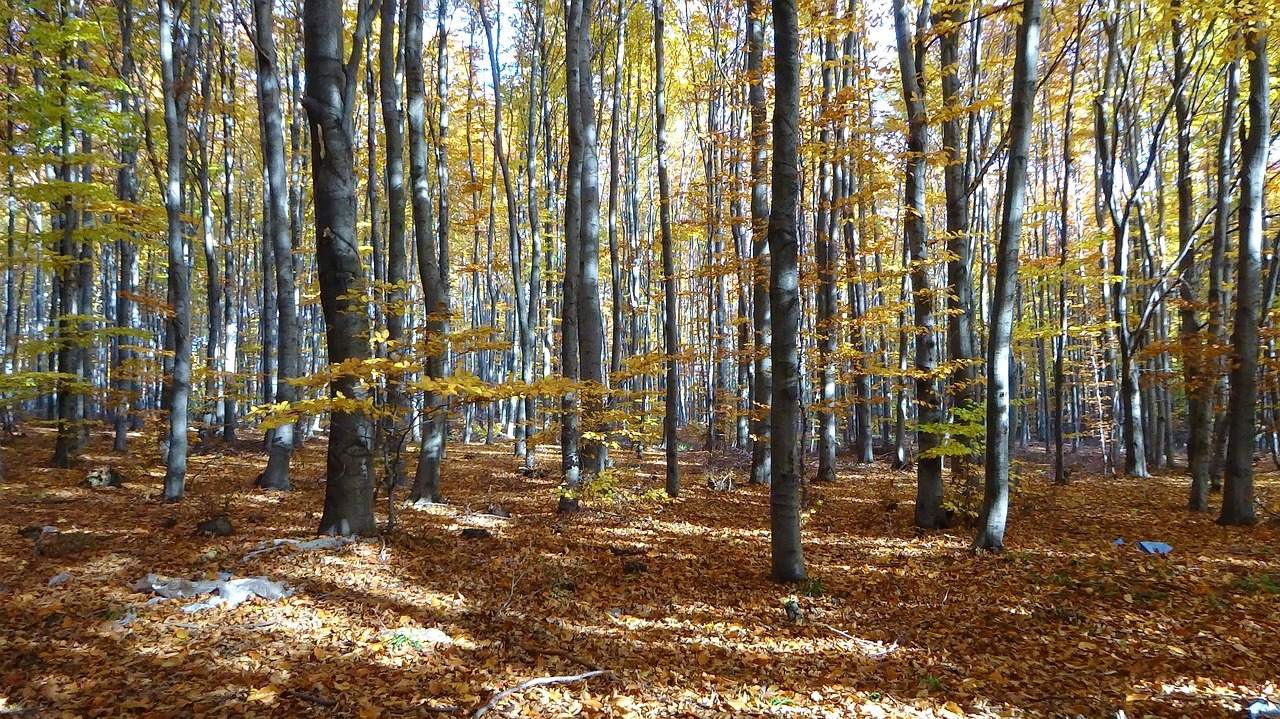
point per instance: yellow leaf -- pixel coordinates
(265, 694)
(319, 653)
(1136, 697)
(1087, 646)
(703, 658)
(1177, 652)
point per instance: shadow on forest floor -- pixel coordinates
(671, 595)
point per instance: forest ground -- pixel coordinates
(672, 596)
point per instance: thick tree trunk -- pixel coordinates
(995, 500)
(280, 440)
(784, 296)
(1237, 487)
(329, 101)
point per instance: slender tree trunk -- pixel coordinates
(528, 338)
(1237, 487)
(824, 228)
(670, 326)
(280, 439)
(126, 315)
(961, 343)
(176, 76)
(571, 403)
(784, 296)
(1218, 297)
(591, 335)
(929, 513)
(761, 387)
(390, 72)
(995, 500)
(1061, 340)
(426, 484)
(329, 100)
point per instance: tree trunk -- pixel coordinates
(995, 500)
(1237, 487)
(329, 101)
(390, 69)
(670, 326)
(126, 314)
(761, 387)
(591, 336)
(426, 483)
(280, 440)
(961, 343)
(784, 297)
(176, 76)
(825, 222)
(929, 513)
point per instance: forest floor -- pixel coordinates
(670, 596)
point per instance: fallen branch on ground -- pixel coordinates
(864, 644)
(540, 681)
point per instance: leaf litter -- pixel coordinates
(543, 618)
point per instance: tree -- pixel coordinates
(390, 72)
(177, 72)
(1237, 487)
(784, 299)
(329, 100)
(761, 380)
(995, 499)
(670, 323)
(276, 226)
(431, 264)
(929, 511)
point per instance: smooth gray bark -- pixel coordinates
(761, 376)
(784, 295)
(995, 500)
(329, 100)
(176, 75)
(929, 513)
(426, 483)
(390, 73)
(1237, 486)
(670, 326)
(280, 440)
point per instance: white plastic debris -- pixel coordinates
(416, 635)
(310, 545)
(225, 592)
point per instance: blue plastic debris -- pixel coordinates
(1263, 708)
(1119, 542)
(1155, 547)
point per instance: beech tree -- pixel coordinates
(1237, 487)
(784, 299)
(330, 103)
(995, 498)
